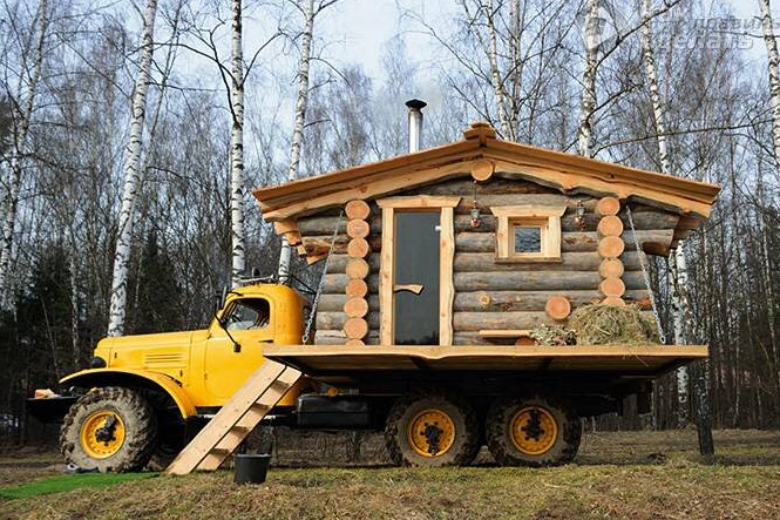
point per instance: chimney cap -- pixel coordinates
(416, 104)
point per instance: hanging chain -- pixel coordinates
(646, 276)
(316, 301)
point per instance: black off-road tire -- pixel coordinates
(503, 449)
(467, 435)
(140, 423)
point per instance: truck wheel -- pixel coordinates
(432, 429)
(532, 432)
(109, 429)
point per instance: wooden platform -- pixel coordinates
(628, 360)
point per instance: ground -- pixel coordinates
(638, 475)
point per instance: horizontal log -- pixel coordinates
(572, 241)
(321, 244)
(485, 202)
(335, 302)
(336, 320)
(337, 337)
(645, 219)
(465, 187)
(338, 263)
(499, 301)
(508, 301)
(337, 283)
(475, 321)
(585, 261)
(563, 281)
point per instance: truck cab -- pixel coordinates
(166, 382)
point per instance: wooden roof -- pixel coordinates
(567, 172)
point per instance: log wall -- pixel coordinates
(490, 295)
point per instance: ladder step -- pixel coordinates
(240, 429)
(219, 452)
(260, 407)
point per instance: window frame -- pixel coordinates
(241, 301)
(546, 218)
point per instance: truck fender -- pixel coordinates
(98, 377)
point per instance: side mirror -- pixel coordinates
(220, 301)
(223, 326)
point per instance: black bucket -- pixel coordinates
(251, 468)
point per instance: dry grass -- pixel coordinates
(642, 475)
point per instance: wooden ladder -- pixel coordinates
(235, 421)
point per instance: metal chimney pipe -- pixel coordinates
(415, 123)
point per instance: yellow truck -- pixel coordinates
(438, 263)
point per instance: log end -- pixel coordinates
(612, 288)
(357, 209)
(558, 307)
(356, 328)
(482, 170)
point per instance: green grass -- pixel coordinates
(63, 483)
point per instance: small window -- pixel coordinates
(249, 314)
(528, 234)
(528, 238)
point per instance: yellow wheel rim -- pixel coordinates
(533, 430)
(431, 433)
(102, 434)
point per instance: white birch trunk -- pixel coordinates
(678, 275)
(588, 104)
(507, 129)
(285, 256)
(132, 171)
(238, 237)
(651, 73)
(773, 63)
(11, 201)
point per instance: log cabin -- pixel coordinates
(478, 241)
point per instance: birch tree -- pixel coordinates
(132, 177)
(304, 65)
(588, 103)
(773, 66)
(22, 114)
(238, 237)
(659, 124)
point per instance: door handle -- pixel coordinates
(411, 287)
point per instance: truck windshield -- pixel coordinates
(247, 314)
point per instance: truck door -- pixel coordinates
(250, 322)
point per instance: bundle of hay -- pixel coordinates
(608, 325)
(553, 335)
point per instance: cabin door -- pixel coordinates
(416, 292)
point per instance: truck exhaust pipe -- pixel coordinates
(415, 124)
